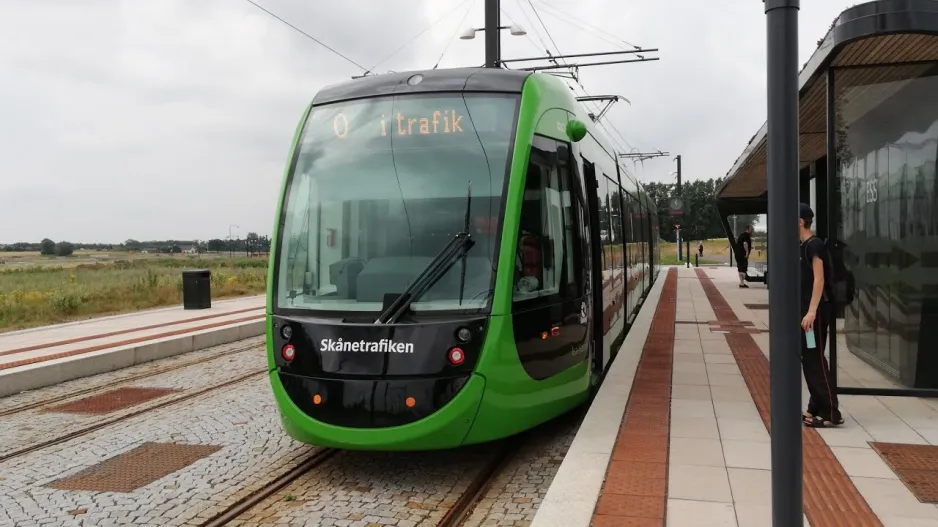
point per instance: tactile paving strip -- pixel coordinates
(916, 466)
(111, 401)
(634, 492)
(830, 497)
(137, 468)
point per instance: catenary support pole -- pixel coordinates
(784, 313)
(680, 257)
(492, 34)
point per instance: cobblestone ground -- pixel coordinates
(242, 419)
(13, 402)
(364, 489)
(515, 495)
(29, 427)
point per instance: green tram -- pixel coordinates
(457, 257)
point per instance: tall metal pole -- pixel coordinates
(735, 236)
(784, 315)
(492, 34)
(680, 256)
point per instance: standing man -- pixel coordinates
(817, 312)
(743, 248)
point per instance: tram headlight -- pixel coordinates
(463, 334)
(286, 332)
(288, 352)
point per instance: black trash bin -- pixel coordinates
(197, 289)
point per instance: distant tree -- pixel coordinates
(216, 245)
(252, 244)
(131, 244)
(64, 249)
(47, 247)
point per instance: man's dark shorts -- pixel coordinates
(742, 265)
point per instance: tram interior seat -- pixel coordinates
(396, 273)
(344, 276)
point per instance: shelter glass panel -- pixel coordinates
(887, 144)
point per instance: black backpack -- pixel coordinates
(842, 288)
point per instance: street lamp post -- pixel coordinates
(229, 238)
(784, 315)
(493, 41)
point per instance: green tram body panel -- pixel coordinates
(495, 396)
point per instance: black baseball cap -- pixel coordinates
(805, 212)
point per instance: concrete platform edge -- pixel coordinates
(145, 312)
(572, 496)
(42, 374)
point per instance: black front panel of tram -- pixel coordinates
(370, 376)
(341, 350)
(370, 404)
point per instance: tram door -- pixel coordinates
(592, 197)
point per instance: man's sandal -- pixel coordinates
(819, 422)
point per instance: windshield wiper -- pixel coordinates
(455, 249)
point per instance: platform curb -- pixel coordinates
(572, 496)
(49, 373)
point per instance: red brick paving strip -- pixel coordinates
(830, 498)
(635, 489)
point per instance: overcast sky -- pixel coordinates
(155, 119)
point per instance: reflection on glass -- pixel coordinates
(379, 187)
(887, 145)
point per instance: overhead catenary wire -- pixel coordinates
(452, 38)
(551, 6)
(429, 26)
(536, 32)
(549, 37)
(307, 35)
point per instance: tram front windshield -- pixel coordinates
(378, 189)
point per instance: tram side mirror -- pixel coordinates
(576, 130)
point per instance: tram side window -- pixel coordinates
(548, 238)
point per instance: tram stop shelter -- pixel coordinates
(868, 124)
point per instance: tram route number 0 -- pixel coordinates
(445, 122)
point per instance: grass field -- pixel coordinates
(37, 290)
(715, 252)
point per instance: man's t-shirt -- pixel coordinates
(742, 255)
(810, 248)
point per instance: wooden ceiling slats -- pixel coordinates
(897, 50)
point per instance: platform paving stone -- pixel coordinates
(830, 496)
(26, 428)
(241, 419)
(634, 491)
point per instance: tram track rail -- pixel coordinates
(256, 498)
(108, 422)
(117, 382)
(480, 484)
(455, 516)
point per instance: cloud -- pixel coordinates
(174, 119)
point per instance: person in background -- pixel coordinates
(744, 247)
(700, 249)
(816, 311)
